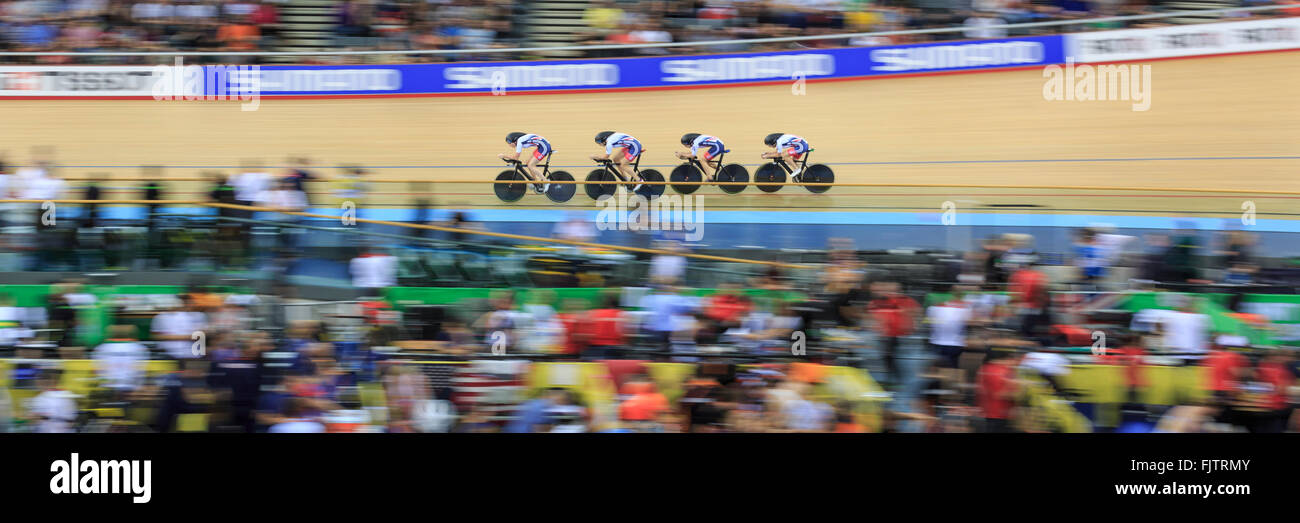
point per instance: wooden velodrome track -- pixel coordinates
(1223, 123)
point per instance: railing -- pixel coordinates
(1200, 190)
(416, 226)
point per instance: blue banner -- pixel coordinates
(652, 72)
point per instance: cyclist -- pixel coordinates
(705, 148)
(622, 149)
(541, 149)
(788, 148)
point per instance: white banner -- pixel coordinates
(1184, 40)
(55, 80)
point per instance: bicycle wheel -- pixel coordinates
(596, 190)
(650, 191)
(769, 173)
(818, 173)
(561, 192)
(733, 173)
(686, 173)
(510, 192)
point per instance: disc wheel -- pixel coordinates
(506, 189)
(818, 173)
(652, 191)
(686, 173)
(733, 173)
(769, 173)
(561, 192)
(596, 190)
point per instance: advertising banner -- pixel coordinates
(1184, 40)
(53, 80)
(659, 72)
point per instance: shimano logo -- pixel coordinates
(956, 56)
(317, 80)
(526, 76)
(748, 68)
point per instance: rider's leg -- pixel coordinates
(533, 170)
(707, 165)
(624, 165)
(790, 162)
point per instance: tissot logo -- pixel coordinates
(102, 477)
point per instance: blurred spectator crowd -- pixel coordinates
(860, 349)
(248, 25)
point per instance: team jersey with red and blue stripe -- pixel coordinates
(792, 143)
(533, 140)
(624, 140)
(712, 146)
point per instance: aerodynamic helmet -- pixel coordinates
(689, 138)
(514, 137)
(602, 136)
(770, 140)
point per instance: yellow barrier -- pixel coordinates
(589, 380)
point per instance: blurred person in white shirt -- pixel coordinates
(174, 329)
(1051, 367)
(668, 268)
(12, 329)
(651, 33)
(145, 11)
(948, 321)
(119, 359)
(285, 197)
(249, 184)
(575, 228)
(980, 25)
(373, 271)
(40, 184)
(1186, 330)
(54, 410)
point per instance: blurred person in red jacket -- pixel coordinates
(605, 332)
(1226, 368)
(644, 404)
(895, 317)
(572, 318)
(1029, 296)
(1131, 356)
(996, 389)
(1274, 372)
(725, 310)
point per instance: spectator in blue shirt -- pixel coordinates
(1090, 256)
(535, 412)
